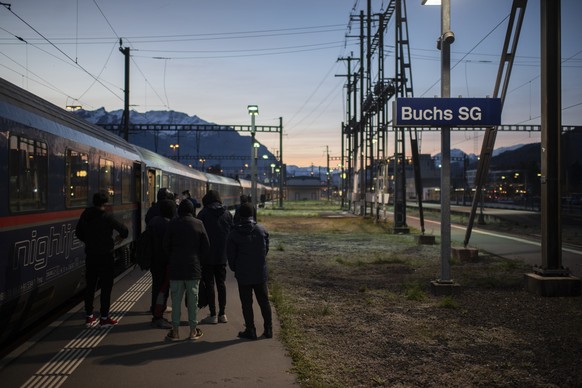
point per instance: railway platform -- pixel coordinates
(134, 354)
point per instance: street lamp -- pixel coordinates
(175, 147)
(253, 111)
(445, 40)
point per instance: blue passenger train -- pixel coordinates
(51, 163)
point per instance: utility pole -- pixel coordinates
(282, 169)
(125, 52)
(327, 173)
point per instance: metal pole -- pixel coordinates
(551, 107)
(445, 40)
(282, 166)
(253, 164)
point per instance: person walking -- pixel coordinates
(95, 229)
(159, 266)
(186, 244)
(243, 199)
(218, 223)
(246, 248)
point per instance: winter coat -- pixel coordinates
(155, 210)
(95, 229)
(246, 248)
(158, 225)
(186, 244)
(218, 223)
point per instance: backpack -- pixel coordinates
(144, 249)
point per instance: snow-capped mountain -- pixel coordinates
(224, 150)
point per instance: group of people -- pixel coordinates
(189, 251)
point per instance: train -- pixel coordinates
(51, 163)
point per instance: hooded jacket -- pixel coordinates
(246, 248)
(186, 244)
(95, 229)
(218, 223)
(163, 194)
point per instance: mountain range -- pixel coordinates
(227, 152)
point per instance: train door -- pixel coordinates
(151, 189)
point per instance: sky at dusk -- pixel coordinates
(213, 58)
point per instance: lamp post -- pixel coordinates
(253, 111)
(445, 40)
(175, 148)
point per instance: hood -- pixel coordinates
(185, 207)
(246, 226)
(164, 193)
(216, 207)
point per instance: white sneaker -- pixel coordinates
(211, 319)
(222, 318)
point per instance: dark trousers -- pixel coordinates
(160, 291)
(99, 269)
(215, 274)
(245, 292)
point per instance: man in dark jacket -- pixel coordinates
(247, 247)
(217, 222)
(186, 243)
(159, 265)
(95, 228)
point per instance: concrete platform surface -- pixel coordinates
(133, 354)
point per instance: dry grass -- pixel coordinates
(356, 311)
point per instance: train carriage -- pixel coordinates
(52, 163)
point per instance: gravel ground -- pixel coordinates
(356, 311)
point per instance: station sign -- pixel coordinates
(447, 112)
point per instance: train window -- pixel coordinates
(106, 178)
(77, 179)
(166, 181)
(28, 165)
(126, 178)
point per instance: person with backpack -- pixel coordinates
(246, 248)
(95, 228)
(217, 222)
(159, 263)
(186, 244)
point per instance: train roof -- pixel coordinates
(245, 184)
(153, 160)
(221, 179)
(28, 109)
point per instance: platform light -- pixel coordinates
(431, 2)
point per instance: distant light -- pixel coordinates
(431, 2)
(253, 110)
(72, 108)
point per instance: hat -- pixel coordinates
(246, 210)
(211, 196)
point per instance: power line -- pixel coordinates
(62, 52)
